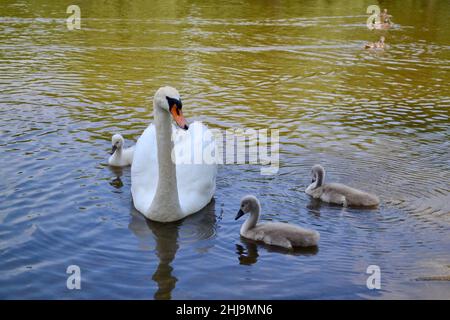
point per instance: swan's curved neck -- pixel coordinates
(166, 204)
(252, 220)
(320, 178)
(117, 155)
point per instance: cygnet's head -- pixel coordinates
(382, 39)
(248, 203)
(317, 176)
(117, 142)
(168, 99)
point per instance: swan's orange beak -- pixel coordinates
(177, 115)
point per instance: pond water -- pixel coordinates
(378, 121)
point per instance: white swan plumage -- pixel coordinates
(186, 186)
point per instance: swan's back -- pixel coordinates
(279, 233)
(353, 197)
(196, 183)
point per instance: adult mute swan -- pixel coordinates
(338, 193)
(167, 184)
(120, 157)
(273, 233)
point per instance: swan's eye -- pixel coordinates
(174, 102)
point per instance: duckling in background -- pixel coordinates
(385, 17)
(338, 193)
(120, 157)
(376, 45)
(273, 233)
(385, 21)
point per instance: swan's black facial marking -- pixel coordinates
(175, 103)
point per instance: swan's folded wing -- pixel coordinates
(128, 155)
(144, 170)
(196, 167)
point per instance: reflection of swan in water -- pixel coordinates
(166, 238)
(248, 253)
(314, 206)
(116, 182)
